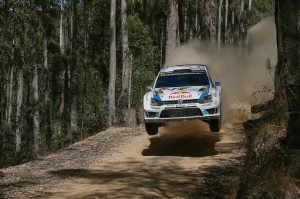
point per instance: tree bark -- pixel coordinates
(112, 66)
(125, 50)
(61, 28)
(249, 4)
(73, 69)
(190, 31)
(287, 16)
(35, 88)
(85, 60)
(181, 21)
(19, 118)
(6, 87)
(11, 88)
(241, 26)
(219, 24)
(207, 34)
(279, 98)
(62, 46)
(19, 124)
(226, 22)
(171, 28)
(46, 82)
(197, 20)
(10, 95)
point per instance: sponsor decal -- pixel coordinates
(205, 112)
(180, 95)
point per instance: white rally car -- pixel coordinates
(183, 92)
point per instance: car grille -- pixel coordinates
(183, 102)
(185, 112)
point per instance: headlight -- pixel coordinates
(205, 99)
(155, 102)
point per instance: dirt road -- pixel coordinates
(184, 160)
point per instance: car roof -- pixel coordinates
(192, 67)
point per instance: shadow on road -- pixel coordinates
(183, 139)
(191, 146)
(130, 179)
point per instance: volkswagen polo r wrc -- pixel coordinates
(183, 92)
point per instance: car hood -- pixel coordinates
(184, 93)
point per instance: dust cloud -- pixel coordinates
(180, 129)
(244, 76)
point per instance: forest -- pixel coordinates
(69, 68)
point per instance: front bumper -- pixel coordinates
(162, 114)
(163, 120)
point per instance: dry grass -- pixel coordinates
(272, 171)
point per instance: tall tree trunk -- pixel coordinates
(3, 103)
(129, 83)
(11, 88)
(190, 32)
(241, 26)
(85, 60)
(46, 82)
(19, 117)
(73, 69)
(226, 22)
(10, 96)
(125, 50)
(62, 64)
(61, 28)
(35, 88)
(181, 21)
(236, 27)
(207, 34)
(19, 124)
(279, 70)
(219, 23)
(7, 92)
(249, 4)
(287, 16)
(112, 65)
(171, 28)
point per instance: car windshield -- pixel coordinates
(180, 80)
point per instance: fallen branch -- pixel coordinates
(262, 107)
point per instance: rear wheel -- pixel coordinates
(215, 125)
(151, 128)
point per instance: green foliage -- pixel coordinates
(145, 58)
(260, 9)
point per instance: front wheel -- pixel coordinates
(152, 129)
(215, 125)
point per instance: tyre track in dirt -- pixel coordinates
(184, 160)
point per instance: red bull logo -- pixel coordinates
(180, 95)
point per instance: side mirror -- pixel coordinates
(149, 87)
(217, 83)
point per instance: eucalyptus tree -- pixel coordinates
(172, 25)
(35, 84)
(207, 22)
(112, 65)
(125, 50)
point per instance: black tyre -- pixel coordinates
(215, 125)
(151, 128)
